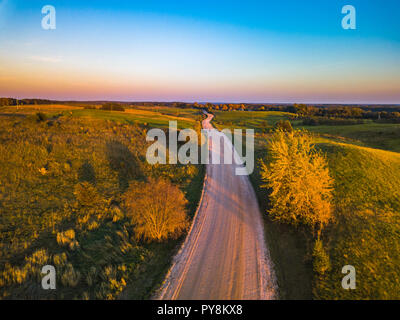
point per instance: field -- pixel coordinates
(257, 120)
(384, 136)
(48, 215)
(365, 231)
(153, 117)
(48, 151)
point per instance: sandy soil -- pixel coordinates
(224, 255)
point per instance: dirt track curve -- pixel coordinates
(224, 256)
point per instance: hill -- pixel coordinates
(64, 171)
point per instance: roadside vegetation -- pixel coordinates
(365, 203)
(69, 181)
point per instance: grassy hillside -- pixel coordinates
(155, 117)
(365, 232)
(43, 221)
(384, 136)
(149, 118)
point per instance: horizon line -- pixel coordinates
(212, 102)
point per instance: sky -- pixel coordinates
(207, 51)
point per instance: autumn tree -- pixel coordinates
(284, 125)
(157, 209)
(299, 180)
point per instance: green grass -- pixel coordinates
(365, 232)
(376, 135)
(150, 118)
(154, 117)
(248, 119)
(171, 111)
(384, 136)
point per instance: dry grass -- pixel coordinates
(61, 183)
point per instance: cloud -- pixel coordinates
(47, 59)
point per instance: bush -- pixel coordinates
(67, 238)
(157, 209)
(86, 194)
(284, 125)
(321, 261)
(112, 106)
(40, 116)
(70, 277)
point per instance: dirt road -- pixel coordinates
(224, 255)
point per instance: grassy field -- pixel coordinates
(257, 120)
(384, 136)
(365, 232)
(152, 119)
(42, 220)
(155, 117)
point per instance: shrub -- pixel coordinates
(157, 209)
(39, 257)
(112, 106)
(86, 173)
(67, 238)
(60, 259)
(40, 116)
(86, 194)
(70, 277)
(321, 261)
(114, 281)
(284, 125)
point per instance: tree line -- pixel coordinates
(382, 113)
(16, 102)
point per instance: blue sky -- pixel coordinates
(244, 51)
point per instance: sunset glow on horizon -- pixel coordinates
(217, 52)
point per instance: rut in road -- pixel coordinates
(224, 255)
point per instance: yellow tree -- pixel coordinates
(298, 177)
(157, 209)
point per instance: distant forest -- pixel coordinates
(342, 111)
